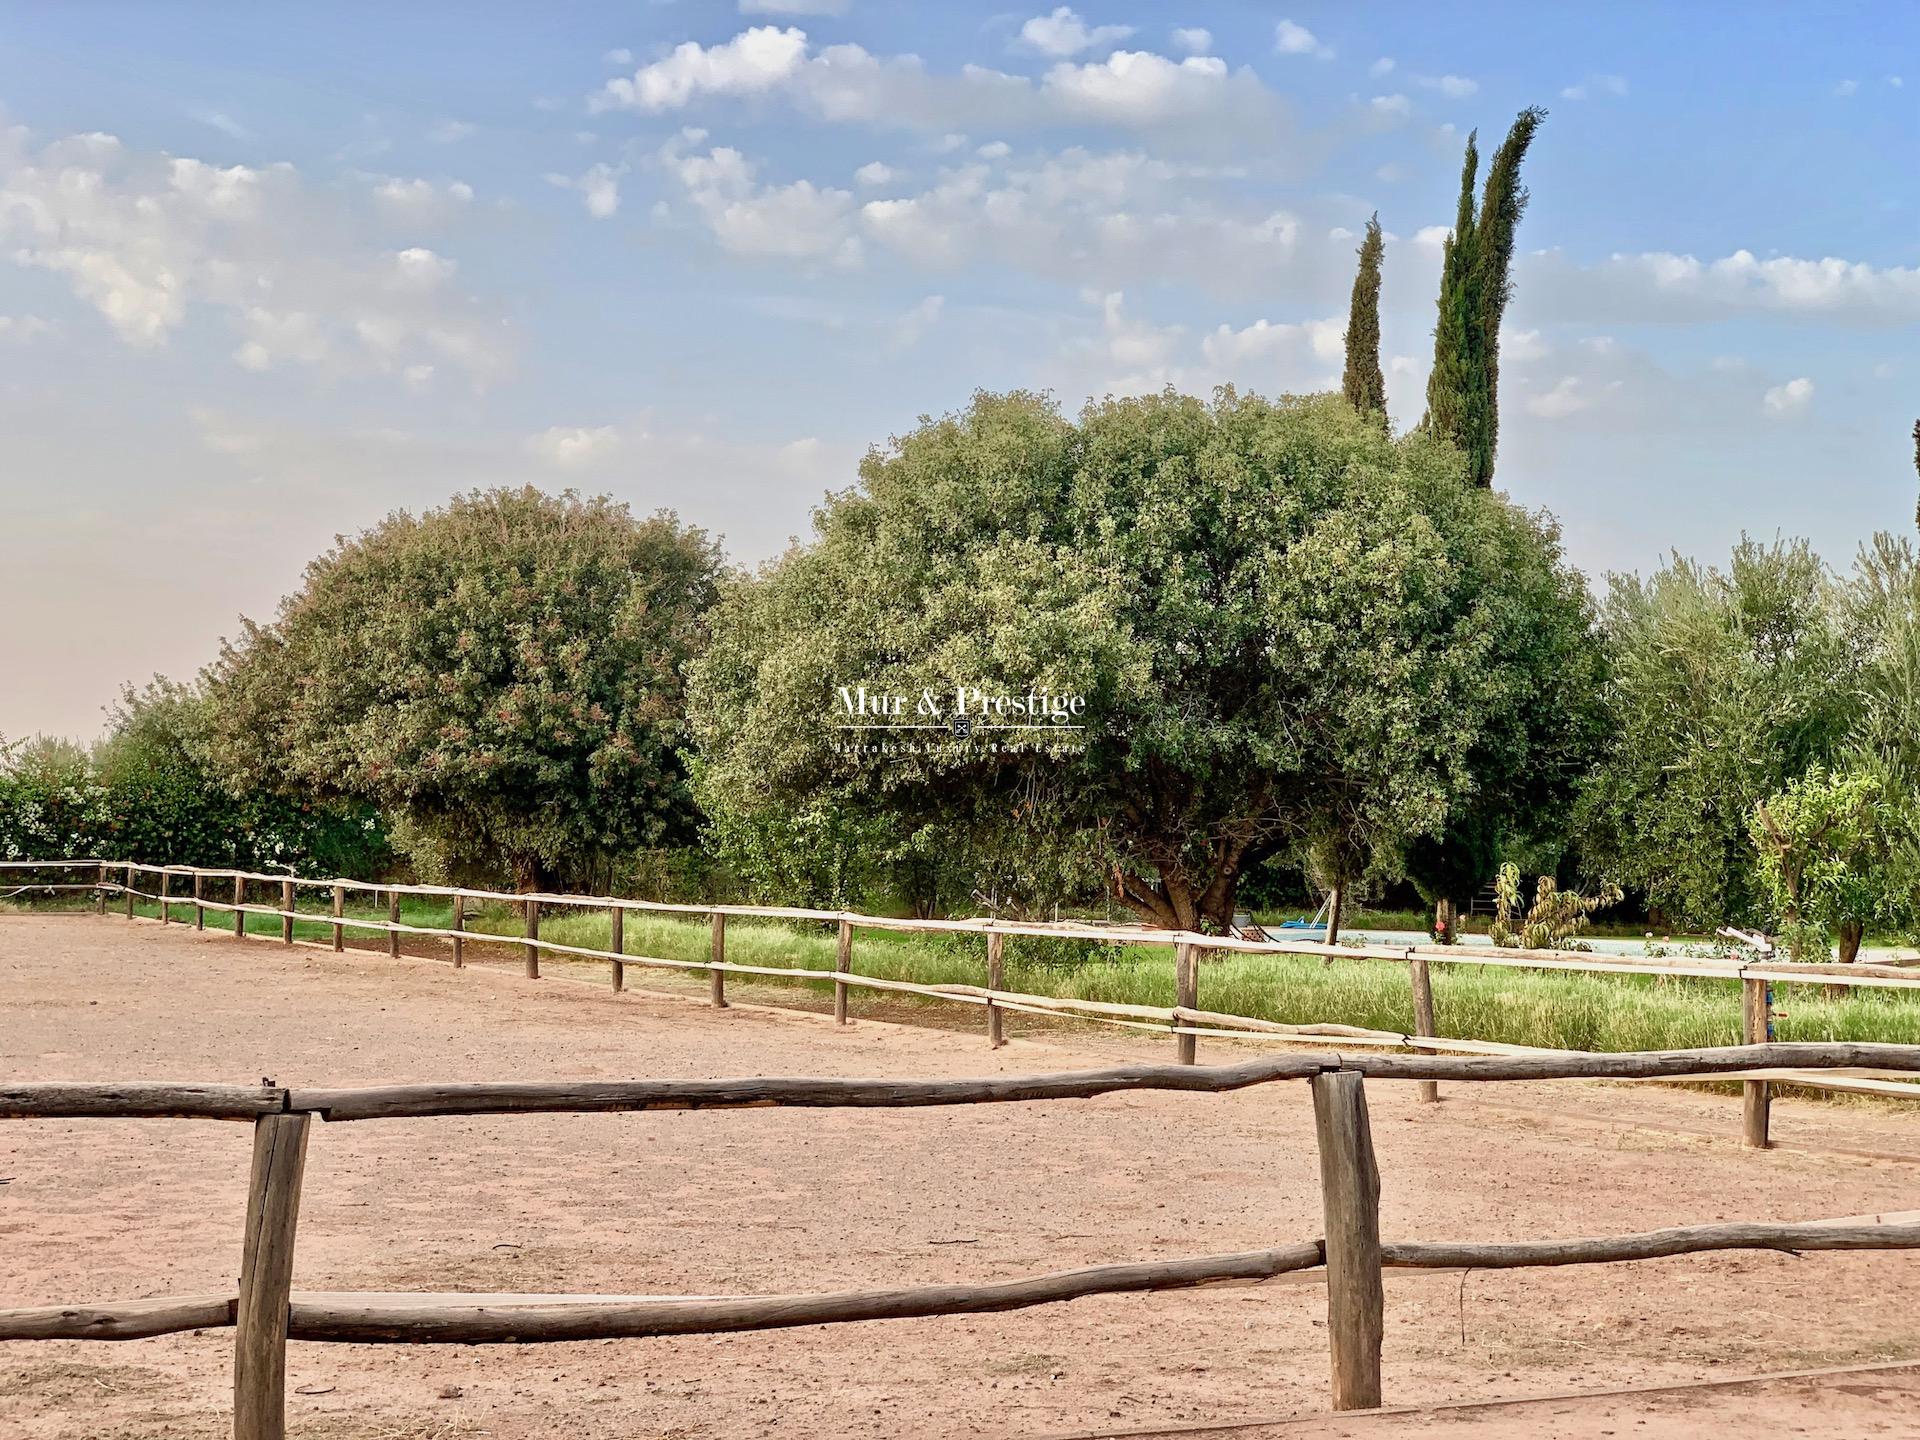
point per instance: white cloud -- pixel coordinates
(221, 121)
(571, 446)
(1105, 219)
(997, 150)
(800, 221)
(1064, 33)
(1392, 107)
(1521, 345)
(1568, 396)
(1454, 87)
(908, 329)
(621, 56)
(1193, 39)
(303, 275)
(449, 132)
(1140, 89)
(1264, 341)
(1661, 286)
(1846, 88)
(1382, 66)
(1127, 356)
(1196, 99)
(421, 269)
(753, 62)
(1789, 399)
(22, 329)
(874, 173)
(1292, 39)
(1596, 87)
(599, 188)
(422, 201)
(1130, 355)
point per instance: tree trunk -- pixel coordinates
(1443, 917)
(1337, 897)
(1850, 932)
(1169, 905)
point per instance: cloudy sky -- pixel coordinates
(272, 271)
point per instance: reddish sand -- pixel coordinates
(772, 1200)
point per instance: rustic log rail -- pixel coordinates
(265, 1312)
(1184, 1021)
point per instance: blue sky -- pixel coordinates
(270, 272)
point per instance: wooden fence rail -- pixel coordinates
(1185, 1021)
(265, 1312)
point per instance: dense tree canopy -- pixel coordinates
(1726, 685)
(502, 677)
(150, 791)
(1288, 628)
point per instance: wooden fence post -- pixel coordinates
(996, 980)
(533, 933)
(199, 910)
(1350, 1201)
(129, 892)
(1186, 996)
(1756, 1028)
(100, 893)
(239, 915)
(459, 924)
(266, 1278)
(718, 988)
(1426, 1091)
(393, 918)
(843, 962)
(339, 909)
(166, 916)
(286, 905)
(617, 942)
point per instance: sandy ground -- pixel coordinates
(771, 1200)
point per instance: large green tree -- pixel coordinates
(1362, 381)
(1824, 845)
(168, 801)
(501, 676)
(1463, 389)
(1285, 625)
(1726, 686)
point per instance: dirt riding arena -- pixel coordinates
(772, 1200)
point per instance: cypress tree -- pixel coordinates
(1501, 205)
(1363, 384)
(1450, 386)
(1463, 402)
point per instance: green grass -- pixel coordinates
(1481, 1002)
(1558, 1009)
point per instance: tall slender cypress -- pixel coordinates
(1451, 385)
(1363, 384)
(1501, 205)
(1463, 400)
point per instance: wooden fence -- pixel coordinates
(265, 1312)
(1185, 1020)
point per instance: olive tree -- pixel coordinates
(1725, 686)
(501, 676)
(1823, 858)
(1286, 629)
